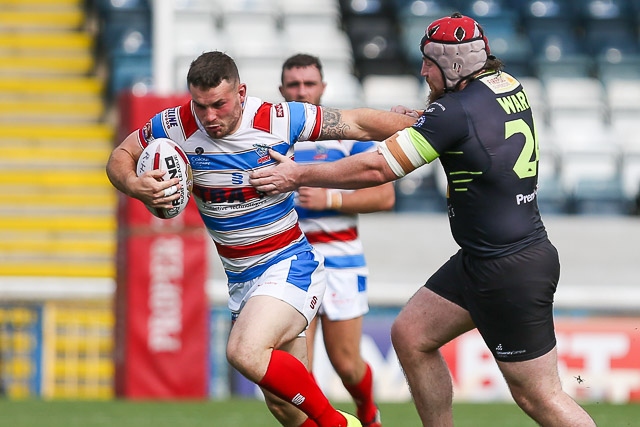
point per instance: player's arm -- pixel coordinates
(357, 171)
(367, 200)
(362, 124)
(148, 188)
(364, 200)
(397, 156)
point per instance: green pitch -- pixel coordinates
(243, 413)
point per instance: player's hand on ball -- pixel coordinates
(153, 191)
(165, 178)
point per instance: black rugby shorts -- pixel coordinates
(510, 298)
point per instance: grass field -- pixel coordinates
(253, 413)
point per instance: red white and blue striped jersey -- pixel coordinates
(332, 233)
(251, 231)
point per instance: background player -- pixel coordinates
(329, 220)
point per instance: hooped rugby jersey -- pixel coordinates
(332, 233)
(251, 231)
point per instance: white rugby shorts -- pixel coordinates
(299, 281)
(346, 295)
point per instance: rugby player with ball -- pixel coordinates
(276, 279)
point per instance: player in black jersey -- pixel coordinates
(502, 281)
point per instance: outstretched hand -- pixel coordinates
(277, 179)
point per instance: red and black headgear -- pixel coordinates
(458, 46)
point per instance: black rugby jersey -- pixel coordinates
(486, 142)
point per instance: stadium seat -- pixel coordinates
(547, 13)
(514, 51)
(631, 169)
(588, 154)
(623, 100)
(501, 24)
(536, 96)
(364, 7)
(254, 41)
(494, 16)
(195, 28)
(413, 18)
(262, 82)
(575, 98)
(376, 46)
(343, 90)
(385, 91)
(607, 36)
(623, 94)
(593, 196)
(327, 11)
(624, 103)
(615, 64)
(552, 199)
(429, 10)
(549, 152)
(411, 32)
(422, 190)
(333, 48)
(559, 54)
(118, 20)
(237, 8)
(129, 70)
(552, 28)
(609, 13)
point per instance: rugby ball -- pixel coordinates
(166, 155)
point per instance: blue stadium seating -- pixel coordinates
(536, 39)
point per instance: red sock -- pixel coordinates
(289, 379)
(308, 423)
(362, 394)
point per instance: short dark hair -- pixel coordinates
(211, 68)
(301, 60)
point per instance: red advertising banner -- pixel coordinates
(161, 332)
(598, 361)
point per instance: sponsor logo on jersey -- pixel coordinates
(201, 162)
(500, 83)
(146, 131)
(526, 198)
(263, 153)
(279, 110)
(226, 195)
(431, 107)
(321, 153)
(171, 119)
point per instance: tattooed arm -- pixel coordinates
(363, 124)
(358, 171)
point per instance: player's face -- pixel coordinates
(219, 109)
(303, 84)
(434, 78)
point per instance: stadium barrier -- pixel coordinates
(63, 349)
